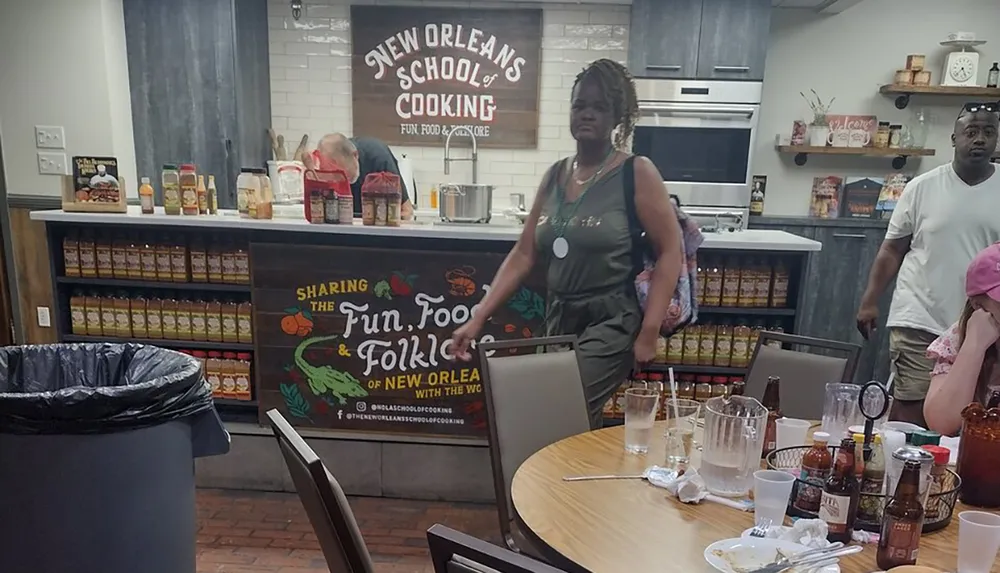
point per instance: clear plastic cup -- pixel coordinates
(640, 413)
(771, 492)
(682, 420)
(978, 541)
(791, 432)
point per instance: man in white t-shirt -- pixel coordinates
(943, 218)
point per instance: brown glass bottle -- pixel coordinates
(902, 522)
(772, 401)
(838, 506)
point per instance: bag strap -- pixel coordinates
(634, 225)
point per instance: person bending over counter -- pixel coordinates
(965, 357)
(358, 156)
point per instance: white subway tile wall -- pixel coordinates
(311, 85)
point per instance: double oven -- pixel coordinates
(701, 136)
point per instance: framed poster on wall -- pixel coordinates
(417, 73)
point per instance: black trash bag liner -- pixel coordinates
(97, 388)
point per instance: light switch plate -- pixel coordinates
(52, 163)
(44, 319)
(50, 137)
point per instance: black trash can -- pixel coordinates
(97, 448)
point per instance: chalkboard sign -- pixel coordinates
(419, 72)
(358, 339)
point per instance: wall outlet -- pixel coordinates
(50, 137)
(44, 319)
(50, 163)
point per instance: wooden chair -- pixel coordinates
(804, 375)
(324, 501)
(455, 552)
(532, 400)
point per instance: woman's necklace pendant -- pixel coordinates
(560, 247)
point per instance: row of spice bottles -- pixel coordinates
(723, 344)
(165, 259)
(381, 199)
(228, 373)
(122, 315)
(184, 191)
(689, 387)
(738, 282)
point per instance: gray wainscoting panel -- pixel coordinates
(253, 77)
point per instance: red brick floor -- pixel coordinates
(243, 532)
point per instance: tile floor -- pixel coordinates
(244, 532)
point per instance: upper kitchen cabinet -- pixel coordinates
(663, 38)
(733, 43)
(703, 39)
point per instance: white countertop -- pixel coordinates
(750, 240)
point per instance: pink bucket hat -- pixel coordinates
(983, 275)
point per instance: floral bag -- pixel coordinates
(683, 309)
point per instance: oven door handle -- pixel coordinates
(745, 111)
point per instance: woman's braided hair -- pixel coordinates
(619, 89)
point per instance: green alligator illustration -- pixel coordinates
(323, 379)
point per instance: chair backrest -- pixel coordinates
(324, 501)
(804, 375)
(532, 400)
(456, 552)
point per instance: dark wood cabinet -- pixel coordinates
(705, 39)
(200, 86)
(832, 288)
(733, 43)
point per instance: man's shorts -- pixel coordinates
(909, 362)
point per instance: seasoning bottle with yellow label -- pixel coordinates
(779, 286)
(228, 375)
(154, 318)
(700, 287)
(199, 261)
(78, 313)
(675, 348)
(138, 317)
(147, 254)
(108, 327)
(215, 271)
(71, 254)
(731, 283)
(179, 261)
(93, 308)
(133, 258)
(102, 251)
(213, 320)
(123, 316)
(713, 283)
(230, 328)
(163, 272)
(748, 286)
(242, 375)
(723, 344)
(183, 319)
(88, 255)
(229, 264)
(199, 327)
(213, 372)
(706, 352)
(241, 264)
(692, 344)
(168, 317)
(741, 344)
(244, 323)
(762, 286)
(119, 257)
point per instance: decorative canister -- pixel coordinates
(903, 77)
(915, 62)
(922, 78)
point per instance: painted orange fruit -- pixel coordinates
(289, 325)
(303, 331)
(302, 321)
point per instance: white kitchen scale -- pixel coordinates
(961, 67)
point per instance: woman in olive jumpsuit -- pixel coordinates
(579, 229)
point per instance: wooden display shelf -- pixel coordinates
(749, 311)
(692, 369)
(898, 154)
(162, 285)
(903, 92)
(181, 344)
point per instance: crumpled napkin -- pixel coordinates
(689, 487)
(808, 532)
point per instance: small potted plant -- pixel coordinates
(819, 128)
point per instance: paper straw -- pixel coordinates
(888, 384)
(673, 393)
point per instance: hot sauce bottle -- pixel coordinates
(815, 470)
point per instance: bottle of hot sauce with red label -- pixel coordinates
(838, 506)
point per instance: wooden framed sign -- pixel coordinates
(417, 73)
(358, 339)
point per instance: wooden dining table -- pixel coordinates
(629, 525)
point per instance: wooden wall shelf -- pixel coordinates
(898, 154)
(903, 92)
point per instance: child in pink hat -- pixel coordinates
(965, 368)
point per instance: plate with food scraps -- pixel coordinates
(749, 554)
